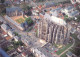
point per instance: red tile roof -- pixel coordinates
(24, 53)
(8, 38)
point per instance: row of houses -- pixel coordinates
(41, 52)
(23, 52)
(13, 22)
(10, 32)
(70, 11)
(37, 47)
(10, 2)
(15, 13)
(75, 1)
(6, 29)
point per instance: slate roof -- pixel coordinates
(7, 2)
(12, 9)
(69, 53)
(69, 7)
(57, 9)
(5, 26)
(74, 13)
(52, 3)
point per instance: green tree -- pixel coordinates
(17, 44)
(29, 21)
(68, 19)
(76, 50)
(2, 9)
(25, 7)
(15, 33)
(2, 1)
(78, 19)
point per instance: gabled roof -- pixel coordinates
(5, 26)
(57, 9)
(24, 54)
(44, 52)
(74, 13)
(69, 53)
(16, 37)
(12, 9)
(52, 3)
(69, 7)
(7, 2)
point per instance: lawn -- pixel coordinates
(17, 44)
(16, 34)
(63, 49)
(77, 41)
(36, 32)
(75, 50)
(64, 55)
(66, 16)
(20, 20)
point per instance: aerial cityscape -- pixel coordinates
(39, 28)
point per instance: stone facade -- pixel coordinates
(14, 11)
(53, 33)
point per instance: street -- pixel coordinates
(22, 33)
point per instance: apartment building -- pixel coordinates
(54, 30)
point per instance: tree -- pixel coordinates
(1, 22)
(24, 0)
(26, 8)
(2, 9)
(77, 50)
(28, 13)
(68, 19)
(29, 21)
(15, 33)
(78, 19)
(2, 1)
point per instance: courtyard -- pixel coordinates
(18, 19)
